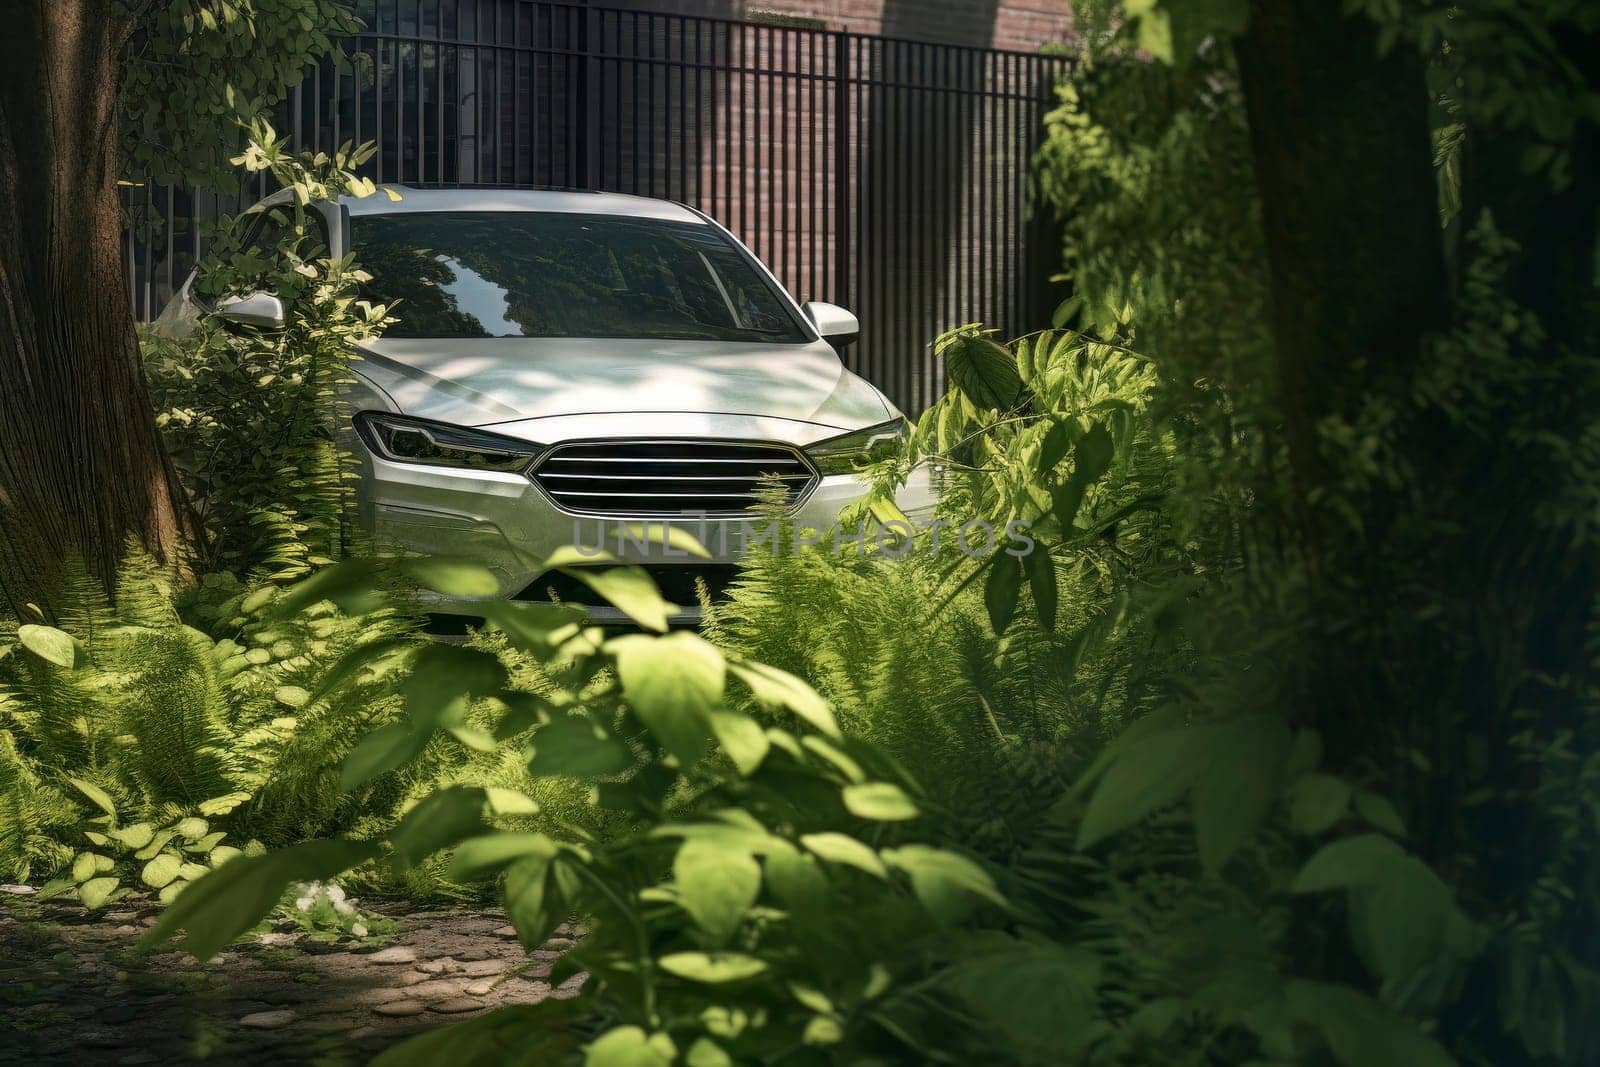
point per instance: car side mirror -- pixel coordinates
(257, 311)
(836, 326)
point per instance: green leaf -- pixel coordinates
(438, 821)
(742, 738)
(712, 968)
(1347, 862)
(628, 1046)
(1041, 999)
(1041, 571)
(100, 797)
(983, 371)
(780, 690)
(672, 684)
(451, 576)
(576, 746)
(292, 696)
(879, 801)
(1317, 802)
(503, 801)
(716, 886)
(1360, 1031)
(161, 870)
(842, 848)
(1401, 920)
(235, 896)
(191, 829)
(95, 892)
(1243, 762)
(134, 837)
(480, 856)
(946, 883)
(629, 589)
(1057, 441)
(1091, 459)
(1001, 589)
(1380, 813)
(49, 644)
(381, 751)
(223, 804)
(529, 904)
(1147, 775)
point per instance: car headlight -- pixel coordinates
(850, 453)
(435, 444)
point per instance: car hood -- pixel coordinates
(497, 381)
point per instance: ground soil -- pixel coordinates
(74, 990)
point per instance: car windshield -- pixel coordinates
(561, 274)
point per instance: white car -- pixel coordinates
(568, 363)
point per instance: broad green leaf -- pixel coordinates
(712, 968)
(672, 684)
(575, 746)
(292, 696)
(1147, 775)
(628, 1046)
(1238, 785)
(842, 848)
(450, 576)
(95, 892)
(742, 738)
(716, 886)
(161, 870)
(706, 1053)
(1041, 998)
(983, 371)
(134, 837)
(946, 883)
(49, 644)
(1057, 440)
(1400, 920)
(480, 856)
(503, 801)
(630, 590)
(879, 801)
(223, 804)
(100, 797)
(86, 866)
(1317, 802)
(1041, 572)
(1001, 589)
(444, 676)
(235, 896)
(1091, 458)
(352, 585)
(662, 533)
(528, 901)
(1360, 1031)
(1380, 813)
(776, 689)
(1349, 861)
(438, 821)
(381, 751)
(192, 828)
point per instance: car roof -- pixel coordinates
(574, 201)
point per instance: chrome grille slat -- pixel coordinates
(669, 477)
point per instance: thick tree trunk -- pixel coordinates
(1344, 164)
(82, 467)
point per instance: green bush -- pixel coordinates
(248, 416)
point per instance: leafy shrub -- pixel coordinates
(247, 415)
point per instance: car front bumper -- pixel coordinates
(508, 524)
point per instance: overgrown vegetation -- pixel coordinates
(1280, 746)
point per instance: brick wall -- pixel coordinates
(1018, 25)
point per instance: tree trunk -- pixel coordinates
(82, 467)
(1343, 161)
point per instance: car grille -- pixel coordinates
(688, 478)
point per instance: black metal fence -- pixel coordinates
(888, 176)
